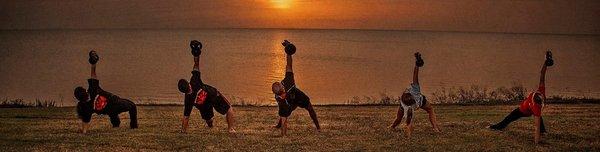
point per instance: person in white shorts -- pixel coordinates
(412, 99)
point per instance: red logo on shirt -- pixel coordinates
(100, 103)
(201, 97)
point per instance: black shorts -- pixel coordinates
(118, 106)
(286, 110)
(219, 103)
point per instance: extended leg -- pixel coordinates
(542, 126)
(207, 114)
(313, 116)
(222, 105)
(514, 115)
(133, 117)
(432, 117)
(114, 120)
(278, 124)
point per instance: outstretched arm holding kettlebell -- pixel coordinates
(196, 51)
(196, 47)
(418, 63)
(288, 96)
(202, 96)
(290, 49)
(532, 105)
(93, 59)
(538, 122)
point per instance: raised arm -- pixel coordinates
(288, 67)
(93, 59)
(197, 63)
(543, 75)
(196, 47)
(418, 63)
(289, 49)
(196, 80)
(549, 62)
(416, 75)
(93, 72)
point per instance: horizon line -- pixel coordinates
(341, 29)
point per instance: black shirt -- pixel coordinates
(114, 105)
(190, 99)
(294, 97)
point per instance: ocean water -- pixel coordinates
(331, 66)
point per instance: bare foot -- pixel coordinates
(231, 130)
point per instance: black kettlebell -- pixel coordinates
(290, 48)
(93, 57)
(549, 60)
(419, 61)
(196, 47)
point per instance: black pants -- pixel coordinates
(128, 106)
(515, 115)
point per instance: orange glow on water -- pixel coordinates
(278, 59)
(281, 4)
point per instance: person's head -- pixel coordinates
(407, 99)
(538, 98)
(184, 86)
(81, 94)
(277, 88)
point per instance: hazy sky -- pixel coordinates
(518, 16)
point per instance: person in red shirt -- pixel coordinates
(532, 105)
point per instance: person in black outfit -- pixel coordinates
(202, 96)
(96, 100)
(288, 96)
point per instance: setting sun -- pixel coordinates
(299, 75)
(281, 4)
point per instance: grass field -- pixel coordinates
(345, 128)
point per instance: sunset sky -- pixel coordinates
(514, 16)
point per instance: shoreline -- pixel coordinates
(563, 102)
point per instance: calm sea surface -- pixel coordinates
(331, 66)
